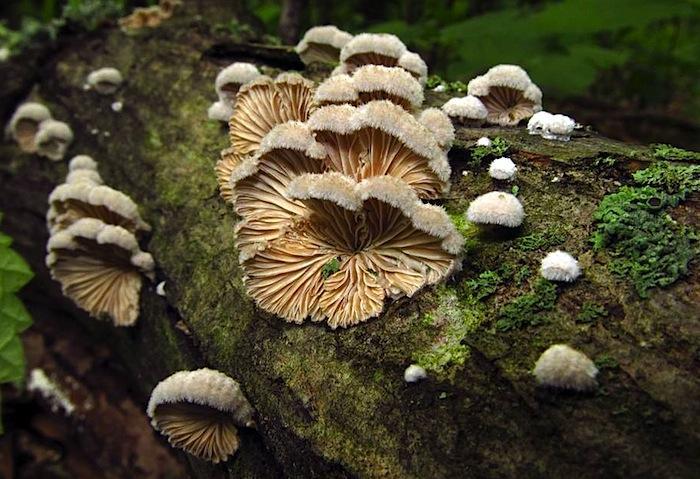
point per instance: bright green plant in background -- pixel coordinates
(14, 318)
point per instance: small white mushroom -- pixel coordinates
(230, 79)
(52, 139)
(82, 162)
(483, 141)
(563, 367)
(24, 124)
(220, 111)
(105, 81)
(467, 111)
(502, 169)
(497, 208)
(160, 289)
(440, 125)
(117, 106)
(559, 128)
(560, 266)
(537, 122)
(414, 373)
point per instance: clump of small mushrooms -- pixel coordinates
(563, 367)
(199, 412)
(35, 131)
(551, 127)
(322, 44)
(93, 251)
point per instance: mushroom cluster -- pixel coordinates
(93, 251)
(35, 131)
(551, 127)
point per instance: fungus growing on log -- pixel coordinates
(376, 82)
(24, 124)
(199, 412)
(536, 124)
(563, 367)
(322, 44)
(351, 245)
(336, 90)
(52, 139)
(100, 267)
(264, 103)
(414, 373)
(466, 111)
(560, 266)
(105, 81)
(83, 168)
(372, 49)
(496, 208)
(230, 79)
(440, 125)
(502, 169)
(508, 94)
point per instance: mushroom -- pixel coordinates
(220, 111)
(560, 266)
(224, 167)
(376, 82)
(536, 124)
(466, 111)
(105, 81)
(99, 266)
(502, 169)
(322, 44)
(414, 373)
(563, 367)
(52, 139)
(372, 49)
(25, 122)
(336, 90)
(264, 103)
(351, 245)
(414, 64)
(440, 125)
(483, 141)
(508, 94)
(82, 162)
(198, 411)
(230, 79)
(496, 208)
(559, 127)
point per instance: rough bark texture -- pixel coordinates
(334, 404)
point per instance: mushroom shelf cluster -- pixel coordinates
(35, 131)
(93, 251)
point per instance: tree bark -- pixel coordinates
(334, 404)
(289, 28)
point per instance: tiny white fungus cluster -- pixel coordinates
(551, 127)
(227, 84)
(40, 383)
(105, 81)
(502, 169)
(563, 367)
(560, 266)
(414, 373)
(467, 111)
(496, 208)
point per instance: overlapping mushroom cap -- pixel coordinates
(229, 80)
(440, 125)
(322, 44)
(24, 124)
(508, 94)
(198, 411)
(100, 268)
(467, 111)
(53, 139)
(349, 246)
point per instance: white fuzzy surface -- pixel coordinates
(117, 106)
(82, 162)
(104, 75)
(293, 135)
(414, 373)
(220, 111)
(339, 119)
(293, 78)
(324, 35)
(440, 125)
(40, 383)
(84, 176)
(510, 76)
(563, 367)
(413, 63)
(502, 169)
(394, 81)
(98, 195)
(28, 111)
(496, 208)
(331, 186)
(336, 89)
(465, 108)
(538, 121)
(50, 130)
(560, 266)
(559, 127)
(483, 141)
(237, 73)
(381, 43)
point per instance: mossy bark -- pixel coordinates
(334, 403)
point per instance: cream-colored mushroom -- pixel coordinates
(376, 82)
(414, 64)
(230, 79)
(53, 139)
(440, 125)
(322, 44)
(105, 81)
(372, 49)
(24, 124)
(336, 90)
(466, 111)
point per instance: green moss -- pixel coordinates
(591, 312)
(542, 239)
(673, 179)
(668, 152)
(498, 148)
(526, 310)
(483, 285)
(605, 361)
(434, 81)
(605, 162)
(521, 274)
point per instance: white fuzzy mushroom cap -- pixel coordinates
(468, 107)
(510, 76)
(412, 62)
(538, 121)
(220, 111)
(49, 129)
(502, 169)
(205, 387)
(497, 208)
(414, 373)
(87, 176)
(237, 73)
(82, 162)
(28, 111)
(483, 141)
(336, 90)
(559, 127)
(381, 43)
(394, 81)
(439, 123)
(563, 367)
(105, 75)
(325, 35)
(560, 266)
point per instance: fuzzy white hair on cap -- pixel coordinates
(538, 121)
(220, 111)
(322, 43)
(510, 76)
(233, 76)
(560, 266)
(331, 186)
(86, 176)
(563, 367)
(336, 89)
(414, 373)
(497, 208)
(440, 125)
(502, 169)
(105, 81)
(52, 139)
(396, 82)
(483, 141)
(383, 44)
(559, 127)
(465, 109)
(414, 64)
(82, 162)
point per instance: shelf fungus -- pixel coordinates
(414, 64)
(551, 127)
(496, 208)
(264, 103)
(24, 124)
(322, 44)
(100, 267)
(336, 90)
(53, 139)
(563, 367)
(199, 412)
(508, 94)
(466, 111)
(440, 125)
(347, 246)
(105, 81)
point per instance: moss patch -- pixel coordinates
(668, 152)
(527, 309)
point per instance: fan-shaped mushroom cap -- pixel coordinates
(560, 266)
(502, 169)
(230, 79)
(563, 367)
(99, 267)
(220, 111)
(508, 94)
(24, 124)
(372, 49)
(71, 201)
(227, 162)
(198, 411)
(336, 90)
(377, 82)
(383, 240)
(496, 208)
(414, 64)
(263, 103)
(322, 44)
(467, 111)
(440, 125)
(105, 81)
(52, 139)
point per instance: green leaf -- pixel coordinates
(12, 363)
(14, 271)
(13, 312)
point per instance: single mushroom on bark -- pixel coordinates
(322, 44)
